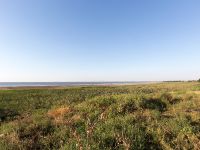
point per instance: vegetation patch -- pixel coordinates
(58, 113)
(156, 104)
(155, 116)
(8, 115)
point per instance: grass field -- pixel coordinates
(152, 116)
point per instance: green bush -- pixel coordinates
(8, 114)
(153, 104)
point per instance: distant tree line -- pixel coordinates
(174, 81)
(183, 81)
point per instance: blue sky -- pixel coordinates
(99, 40)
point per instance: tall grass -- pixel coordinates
(156, 116)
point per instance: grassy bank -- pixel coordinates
(154, 116)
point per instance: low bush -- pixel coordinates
(8, 114)
(153, 104)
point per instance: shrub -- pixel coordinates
(153, 104)
(167, 97)
(129, 107)
(7, 114)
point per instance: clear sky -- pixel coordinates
(99, 40)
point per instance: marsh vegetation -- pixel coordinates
(154, 116)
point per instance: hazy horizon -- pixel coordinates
(107, 40)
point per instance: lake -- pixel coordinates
(25, 84)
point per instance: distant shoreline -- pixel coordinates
(60, 85)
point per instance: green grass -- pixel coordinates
(152, 116)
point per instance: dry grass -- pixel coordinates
(58, 114)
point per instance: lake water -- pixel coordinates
(25, 84)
